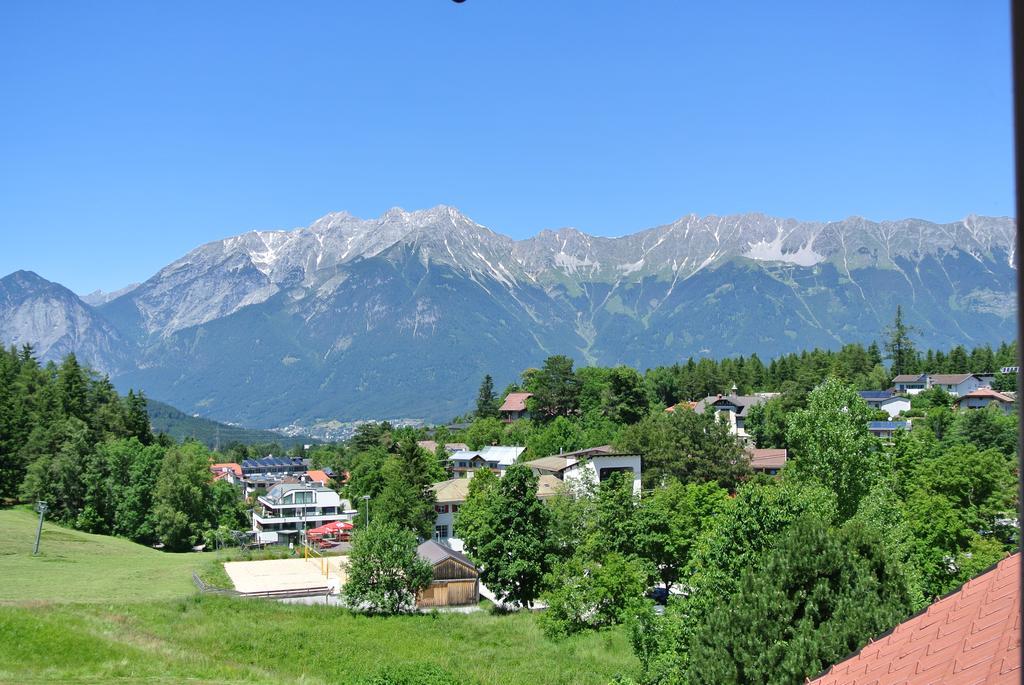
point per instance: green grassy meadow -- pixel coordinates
(99, 609)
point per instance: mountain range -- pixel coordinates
(401, 316)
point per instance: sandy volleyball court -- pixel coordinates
(286, 574)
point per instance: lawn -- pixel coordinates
(79, 567)
(111, 610)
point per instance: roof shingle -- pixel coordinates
(971, 636)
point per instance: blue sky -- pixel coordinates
(131, 132)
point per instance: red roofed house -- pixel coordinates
(982, 397)
(317, 476)
(228, 471)
(514, 406)
(969, 637)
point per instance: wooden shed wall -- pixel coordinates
(450, 569)
(449, 593)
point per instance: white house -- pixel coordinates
(956, 384)
(911, 383)
(494, 457)
(885, 400)
(601, 462)
(982, 397)
(960, 384)
(735, 408)
(451, 494)
(288, 508)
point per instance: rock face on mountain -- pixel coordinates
(55, 321)
(401, 315)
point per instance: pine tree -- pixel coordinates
(816, 598)
(899, 347)
(486, 401)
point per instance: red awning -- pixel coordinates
(329, 528)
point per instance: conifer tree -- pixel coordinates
(899, 347)
(486, 401)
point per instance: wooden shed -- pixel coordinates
(456, 580)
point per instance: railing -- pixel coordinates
(318, 591)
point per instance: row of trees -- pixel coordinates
(68, 438)
(624, 396)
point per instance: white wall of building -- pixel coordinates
(574, 474)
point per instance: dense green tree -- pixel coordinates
(227, 507)
(751, 524)
(507, 536)
(593, 593)
(766, 423)
(483, 432)
(476, 519)
(384, 573)
(55, 474)
(560, 435)
(406, 499)
(136, 421)
(686, 446)
(613, 526)
(1005, 382)
(958, 507)
(370, 435)
(670, 520)
(830, 444)
(985, 428)
(486, 401)
(626, 399)
(816, 598)
(555, 388)
(181, 501)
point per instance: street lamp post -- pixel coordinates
(42, 508)
(366, 509)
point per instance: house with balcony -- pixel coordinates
(982, 397)
(601, 462)
(289, 509)
(911, 383)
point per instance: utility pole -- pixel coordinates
(42, 508)
(366, 508)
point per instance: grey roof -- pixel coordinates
(950, 378)
(742, 402)
(435, 553)
(875, 394)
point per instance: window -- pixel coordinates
(455, 508)
(441, 508)
(608, 471)
(440, 532)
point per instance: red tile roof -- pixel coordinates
(686, 405)
(318, 476)
(967, 638)
(985, 392)
(228, 466)
(515, 401)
